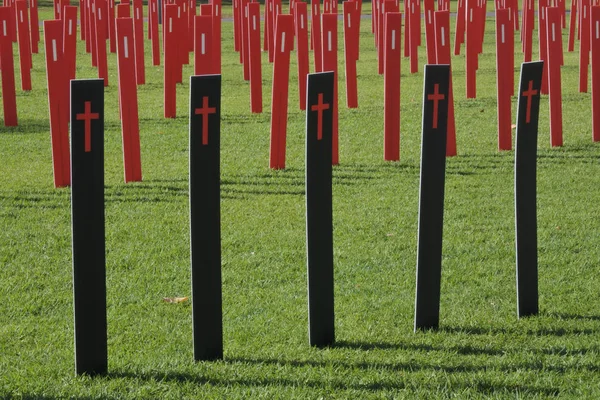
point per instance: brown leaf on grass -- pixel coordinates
(175, 299)
(513, 126)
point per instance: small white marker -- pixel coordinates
(170, 25)
(203, 49)
(597, 29)
(21, 14)
(137, 13)
(471, 15)
(444, 36)
(302, 21)
(100, 14)
(329, 41)
(429, 15)
(179, 13)
(70, 27)
(393, 39)
(217, 10)
(54, 54)
(254, 22)
(553, 32)
(282, 41)
(349, 24)
(4, 26)
(503, 33)
(126, 46)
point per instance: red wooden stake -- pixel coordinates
(459, 37)
(128, 100)
(9, 96)
(101, 21)
(34, 24)
(138, 40)
(471, 49)
(330, 63)
(112, 32)
(572, 24)
(441, 21)
(504, 33)
(245, 41)
(415, 35)
(93, 28)
(279, 103)
(254, 57)
(553, 57)
(528, 25)
(315, 35)
(182, 46)
(171, 60)
(70, 40)
(203, 63)
(154, 29)
(428, 7)
(301, 25)
(24, 43)
(349, 9)
(58, 100)
(217, 12)
(391, 86)
(584, 45)
(543, 42)
(595, 45)
(236, 28)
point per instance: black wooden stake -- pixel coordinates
(431, 196)
(205, 216)
(319, 215)
(525, 187)
(87, 204)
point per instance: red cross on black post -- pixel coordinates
(436, 97)
(87, 117)
(529, 93)
(319, 108)
(205, 110)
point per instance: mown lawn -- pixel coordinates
(481, 348)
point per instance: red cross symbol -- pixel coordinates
(319, 107)
(436, 97)
(205, 110)
(88, 116)
(529, 93)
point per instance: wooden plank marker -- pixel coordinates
(504, 46)
(441, 21)
(431, 196)
(205, 216)
(254, 57)
(595, 45)
(87, 205)
(301, 33)
(319, 214)
(391, 86)
(9, 96)
(525, 187)
(554, 61)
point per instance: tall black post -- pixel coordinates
(525, 187)
(87, 204)
(319, 210)
(205, 216)
(431, 196)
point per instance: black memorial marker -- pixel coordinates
(319, 211)
(205, 216)
(87, 203)
(525, 187)
(431, 196)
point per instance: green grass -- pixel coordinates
(481, 349)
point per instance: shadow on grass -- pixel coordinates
(464, 350)
(337, 383)
(537, 331)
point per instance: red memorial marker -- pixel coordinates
(584, 45)
(543, 42)
(101, 28)
(391, 86)
(128, 100)
(171, 61)
(58, 101)
(504, 46)
(154, 32)
(415, 35)
(70, 40)
(553, 59)
(595, 45)
(330, 63)
(203, 64)
(24, 43)
(471, 49)
(182, 46)
(236, 27)
(386, 6)
(441, 21)
(7, 67)
(349, 8)
(315, 35)
(138, 39)
(301, 33)
(459, 37)
(245, 41)
(112, 33)
(428, 8)
(279, 103)
(93, 32)
(254, 57)
(527, 32)
(217, 12)
(572, 24)
(34, 24)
